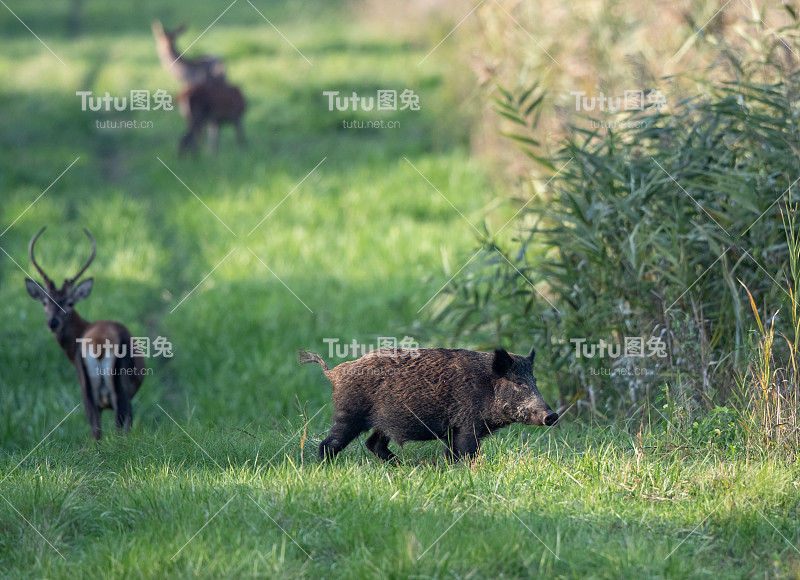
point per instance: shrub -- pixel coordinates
(649, 231)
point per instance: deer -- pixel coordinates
(206, 99)
(212, 103)
(188, 71)
(110, 370)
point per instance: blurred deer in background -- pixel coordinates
(206, 99)
(188, 71)
(212, 103)
(101, 352)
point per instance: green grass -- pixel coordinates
(364, 242)
(575, 503)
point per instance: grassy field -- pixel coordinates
(219, 476)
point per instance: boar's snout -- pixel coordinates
(539, 416)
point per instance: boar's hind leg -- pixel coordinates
(340, 435)
(466, 445)
(378, 443)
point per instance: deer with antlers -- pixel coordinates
(110, 369)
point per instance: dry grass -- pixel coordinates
(769, 387)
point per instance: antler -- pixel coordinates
(94, 251)
(33, 258)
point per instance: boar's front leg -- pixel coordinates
(340, 435)
(378, 443)
(465, 445)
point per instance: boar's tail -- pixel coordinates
(305, 357)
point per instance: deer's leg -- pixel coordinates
(186, 142)
(237, 124)
(213, 136)
(89, 404)
(123, 412)
(194, 127)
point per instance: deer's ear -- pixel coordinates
(36, 291)
(81, 291)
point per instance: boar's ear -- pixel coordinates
(502, 362)
(532, 355)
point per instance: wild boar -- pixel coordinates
(458, 396)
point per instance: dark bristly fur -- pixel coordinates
(458, 396)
